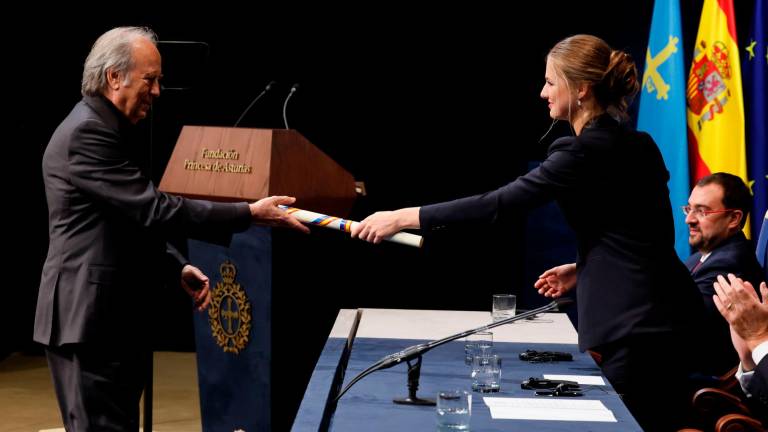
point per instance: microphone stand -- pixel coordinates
(266, 89)
(414, 372)
(285, 104)
(412, 354)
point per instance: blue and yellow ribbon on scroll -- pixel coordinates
(319, 219)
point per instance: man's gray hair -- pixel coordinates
(112, 50)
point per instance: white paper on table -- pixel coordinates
(548, 409)
(581, 379)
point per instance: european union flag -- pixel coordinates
(662, 107)
(756, 109)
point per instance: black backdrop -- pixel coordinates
(422, 104)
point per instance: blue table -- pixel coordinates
(368, 405)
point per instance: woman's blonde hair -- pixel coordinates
(610, 73)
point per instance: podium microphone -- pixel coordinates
(285, 104)
(414, 353)
(266, 89)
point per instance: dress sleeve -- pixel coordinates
(558, 174)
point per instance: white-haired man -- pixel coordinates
(108, 226)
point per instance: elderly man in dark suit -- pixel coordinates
(108, 226)
(716, 213)
(747, 316)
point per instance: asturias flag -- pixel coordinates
(662, 107)
(756, 104)
(715, 104)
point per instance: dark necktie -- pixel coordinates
(696, 267)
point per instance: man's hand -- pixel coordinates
(739, 304)
(266, 212)
(196, 284)
(745, 354)
(557, 281)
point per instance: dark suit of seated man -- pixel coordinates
(747, 316)
(716, 213)
(758, 385)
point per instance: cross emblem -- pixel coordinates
(228, 314)
(652, 79)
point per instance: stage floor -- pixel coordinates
(28, 403)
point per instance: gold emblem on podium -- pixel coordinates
(230, 311)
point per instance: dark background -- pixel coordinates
(423, 104)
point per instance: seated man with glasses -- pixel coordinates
(716, 213)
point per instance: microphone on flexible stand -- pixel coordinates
(415, 352)
(266, 89)
(285, 104)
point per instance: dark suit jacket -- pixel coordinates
(735, 255)
(107, 227)
(758, 389)
(610, 183)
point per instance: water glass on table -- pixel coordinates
(454, 410)
(486, 373)
(476, 344)
(504, 306)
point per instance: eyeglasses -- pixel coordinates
(533, 356)
(547, 387)
(562, 390)
(701, 213)
(543, 383)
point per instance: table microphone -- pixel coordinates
(266, 89)
(416, 351)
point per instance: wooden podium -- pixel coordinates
(237, 164)
(235, 340)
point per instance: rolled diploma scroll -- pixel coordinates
(322, 220)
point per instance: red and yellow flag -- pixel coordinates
(715, 104)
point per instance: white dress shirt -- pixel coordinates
(758, 353)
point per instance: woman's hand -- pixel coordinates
(381, 225)
(557, 281)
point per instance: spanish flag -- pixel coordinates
(715, 108)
